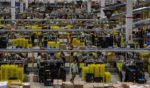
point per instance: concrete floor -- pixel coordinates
(115, 78)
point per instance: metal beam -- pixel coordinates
(49, 20)
(52, 30)
(87, 50)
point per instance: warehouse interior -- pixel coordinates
(74, 43)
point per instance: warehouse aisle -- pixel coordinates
(115, 79)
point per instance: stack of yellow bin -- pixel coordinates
(119, 67)
(20, 74)
(143, 54)
(0, 75)
(102, 70)
(76, 42)
(22, 42)
(4, 69)
(149, 65)
(82, 65)
(54, 27)
(91, 68)
(57, 44)
(69, 27)
(85, 70)
(53, 44)
(107, 77)
(11, 71)
(35, 28)
(97, 69)
(58, 55)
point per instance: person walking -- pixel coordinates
(74, 70)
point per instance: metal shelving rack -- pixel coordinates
(143, 22)
(135, 11)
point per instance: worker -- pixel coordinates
(45, 42)
(93, 38)
(124, 67)
(141, 37)
(69, 37)
(62, 55)
(33, 39)
(118, 40)
(74, 70)
(38, 59)
(40, 37)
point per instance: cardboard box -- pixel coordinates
(127, 84)
(57, 83)
(111, 58)
(98, 85)
(78, 84)
(26, 85)
(36, 78)
(146, 86)
(108, 85)
(117, 86)
(60, 82)
(63, 46)
(54, 82)
(67, 58)
(67, 85)
(82, 47)
(15, 87)
(88, 85)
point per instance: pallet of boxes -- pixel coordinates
(130, 85)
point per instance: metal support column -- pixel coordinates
(129, 21)
(89, 6)
(27, 4)
(21, 6)
(102, 6)
(13, 9)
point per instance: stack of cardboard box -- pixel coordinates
(57, 83)
(67, 85)
(80, 84)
